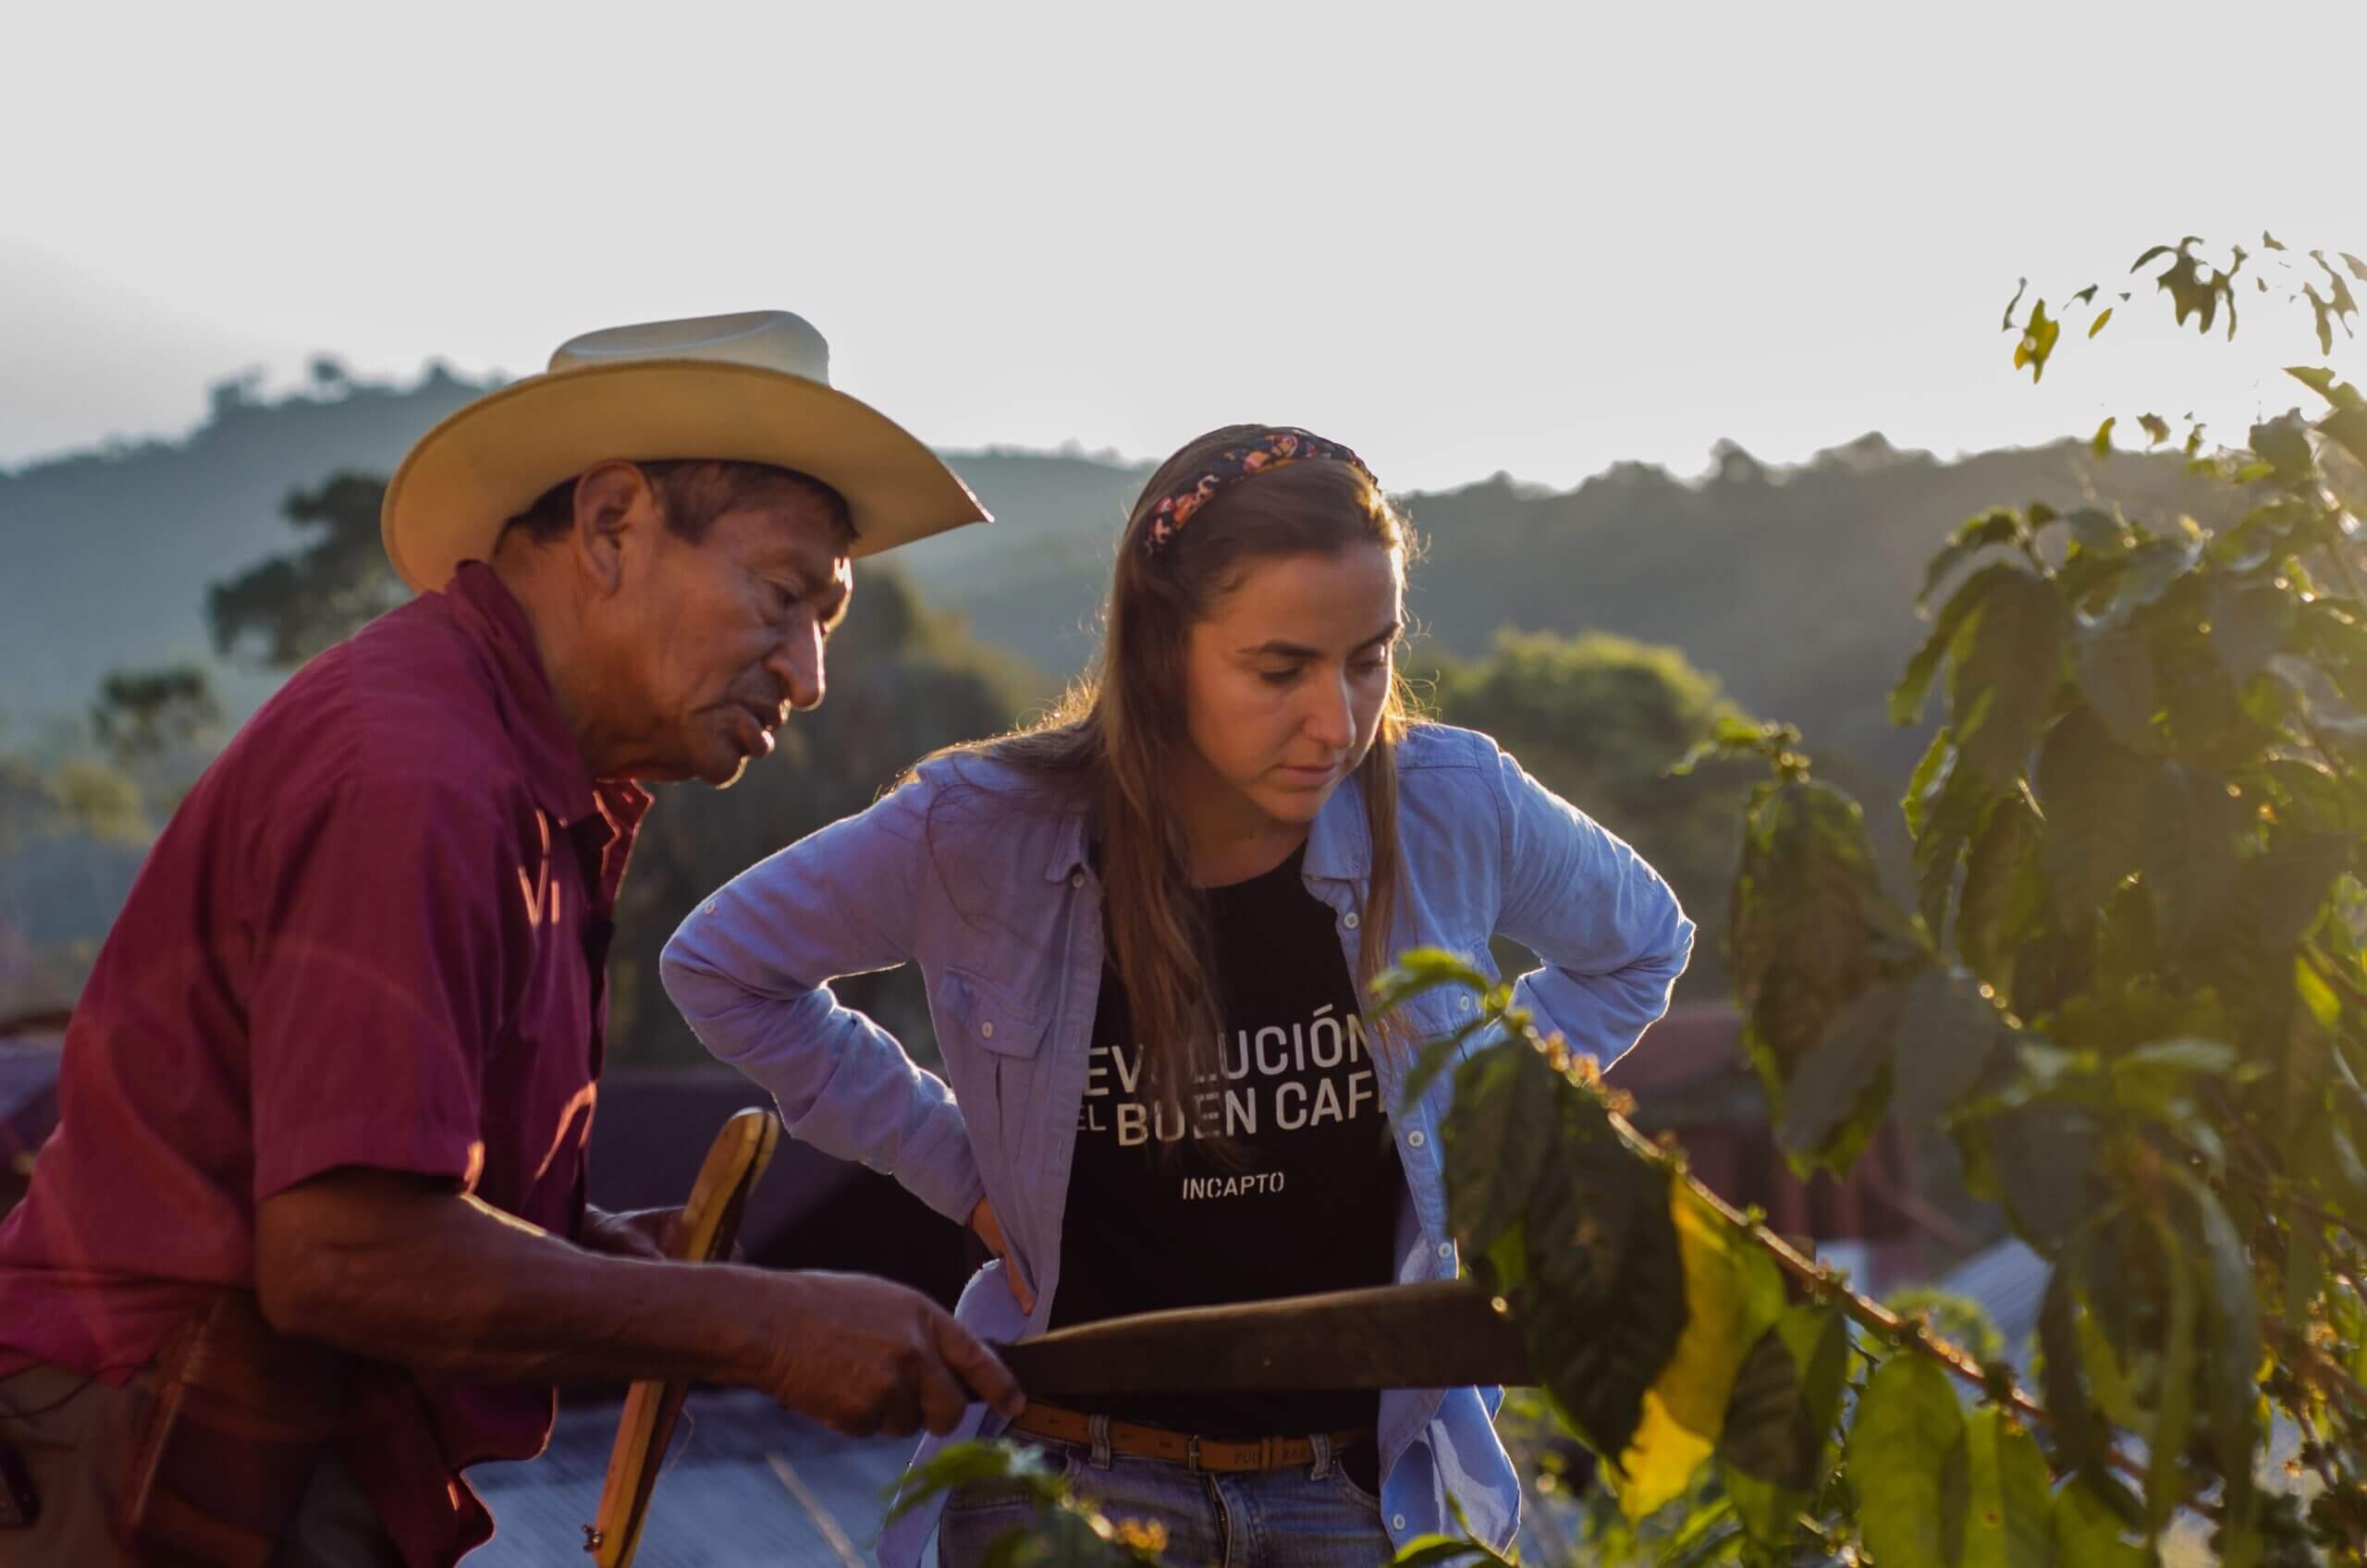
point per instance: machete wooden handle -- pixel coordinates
(710, 1223)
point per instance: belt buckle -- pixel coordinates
(1192, 1452)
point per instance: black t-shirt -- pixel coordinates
(1308, 1201)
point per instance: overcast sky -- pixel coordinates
(1462, 237)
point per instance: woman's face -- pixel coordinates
(1285, 682)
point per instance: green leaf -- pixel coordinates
(1949, 819)
(1779, 1423)
(1500, 1138)
(1419, 969)
(2100, 443)
(1705, 1539)
(2316, 996)
(1929, 772)
(2001, 526)
(1836, 1087)
(1947, 1035)
(1436, 1057)
(2154, 566)
(1995, 913)
(1907, 1424)
(2195, 289)
(2081, 1437)
(2321, 381)
(968, 1464)
(2347, 428)
(2329, 1161)
(1437, 1552)
(2098, 325)
(2157, 429)
(2048, 1162)
(1995, 1497)
(1808, 927)
(1602, 1304)
(2247, 624)
(2088, 1534)
(2092, 528)
(2179, 1058)
(1767, 1434)
(2004, 684)
(2115, 674)
(2038, 341)
(2279, 896)
(2174, 1413)
(2305, 1271)
(2231, 1318)
(2316, 800)
(2193, 830)
(1731, 1294)
(2284, 444)
(1907, 697)
(2093, 792)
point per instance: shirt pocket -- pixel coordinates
(985, 1016)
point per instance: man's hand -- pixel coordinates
(400, 1269)
(864, 1356)
(990, 1228)
(645, 1233)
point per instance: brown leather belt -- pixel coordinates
(1178, 1448)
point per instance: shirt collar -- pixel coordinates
(555, 773)
(1338, 845)
(1069, 847)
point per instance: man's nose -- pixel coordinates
(797, 664)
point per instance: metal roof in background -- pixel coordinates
(2010, 1280)
(720, 1502)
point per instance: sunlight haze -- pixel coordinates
(1536, 238)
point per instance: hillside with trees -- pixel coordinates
(159, 591)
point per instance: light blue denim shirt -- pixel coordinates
(993, 897)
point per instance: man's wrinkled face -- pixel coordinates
(718, 640)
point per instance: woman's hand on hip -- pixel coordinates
(990, 1228)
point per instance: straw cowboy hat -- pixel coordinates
(754, 388)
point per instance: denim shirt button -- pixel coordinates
(1415, 1139)
(1446, 1249)
(1349, 920)
(1077, 878)
(986, 1030)
(1397, 1521)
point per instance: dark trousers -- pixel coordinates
(76, 1435)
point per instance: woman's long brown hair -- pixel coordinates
(1116, 739)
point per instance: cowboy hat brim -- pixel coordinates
(489, 461)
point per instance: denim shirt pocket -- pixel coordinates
(985, 1016)
(993, 1043)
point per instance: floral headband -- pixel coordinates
(1273, 449)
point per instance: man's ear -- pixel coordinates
(616, 508)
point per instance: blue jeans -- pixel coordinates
(1310, 1517)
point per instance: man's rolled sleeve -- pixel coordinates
(386, 938)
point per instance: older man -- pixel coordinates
(310, 1237)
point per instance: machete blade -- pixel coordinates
(1448, 1334)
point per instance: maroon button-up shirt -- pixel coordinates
(372, 936)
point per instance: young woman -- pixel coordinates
(1147, 927)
